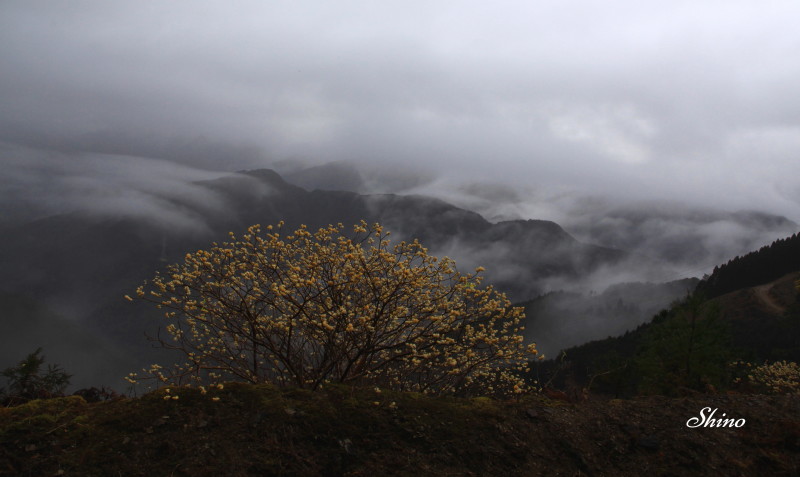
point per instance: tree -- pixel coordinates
(306, 309)
(688, 350)
(26, 382)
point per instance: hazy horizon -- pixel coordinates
(536, 106)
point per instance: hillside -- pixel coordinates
(561, 320)
(339, 431)
(755, 268)
(756, 324)
(765, 319)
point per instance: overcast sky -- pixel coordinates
(694, 101)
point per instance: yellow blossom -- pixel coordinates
(268, 306)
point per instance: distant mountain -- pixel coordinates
(329, 176)
(691, 238)
(81, 264)
(63, 254)
(682, 235)
(363, 178)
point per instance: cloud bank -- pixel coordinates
(689, 100)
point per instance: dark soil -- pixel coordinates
(340, 431)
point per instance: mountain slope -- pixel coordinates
(765, 319)
(754, 320)
(755, 268)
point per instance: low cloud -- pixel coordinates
(693, 102)
(38, 183)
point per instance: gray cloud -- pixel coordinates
(37, 183)
(683, 100)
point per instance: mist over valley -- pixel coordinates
(597, 159)
(74, 243)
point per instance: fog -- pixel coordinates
(690, 100)
(639, 126)
(39, 183)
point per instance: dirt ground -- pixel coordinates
(260, 430)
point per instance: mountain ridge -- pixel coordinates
(82, 263)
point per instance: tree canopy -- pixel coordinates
(305, 308)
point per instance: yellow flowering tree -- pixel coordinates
(305, 309)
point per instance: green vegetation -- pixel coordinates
(762, 266)
(690, 350)
(687, 348)
(748, 311)
(27, 380)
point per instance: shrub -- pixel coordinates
(780, 377)
(26, 381)
(305, 309)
